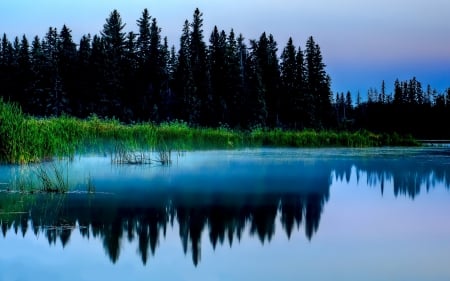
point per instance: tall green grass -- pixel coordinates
(25, 139)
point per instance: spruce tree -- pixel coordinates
(143, 40)
(54, 99)
(318, 84)
(216, 104)
(114, 39)
(255, 102)
(85, 86)
(187, 106)
(304, 105)
(234, 80)
(67, 53)
(24, 80)
(289, 91)
(36, 94)
(198, 64)
(156, 73)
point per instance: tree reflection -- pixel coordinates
(223, 216)
(226, 219)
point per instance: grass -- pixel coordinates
(52, 180)
(26, 139)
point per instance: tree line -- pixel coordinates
(137, 77)
(410, 109)
(227, 81)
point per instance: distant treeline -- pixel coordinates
(137, 77)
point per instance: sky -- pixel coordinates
(362, 42)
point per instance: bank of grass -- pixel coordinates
(26, 139)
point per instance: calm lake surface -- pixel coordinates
(251, 214)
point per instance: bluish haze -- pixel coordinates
(363, 42)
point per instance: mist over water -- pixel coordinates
(212, 211)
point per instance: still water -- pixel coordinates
(256, 214)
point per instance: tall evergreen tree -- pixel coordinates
(67, 54)
(267, 62)
(216, 103)
(198, 64)
(157, 69)
(25, 78)
(98, 59)
(304, 102)
(55, 100)
(35, 98)
(6, 68)
(318, 84)
(234, 80)
(114, 39)
(84, 89)
(255, 100)
(289, 100)
(188, 105)
(143, 40)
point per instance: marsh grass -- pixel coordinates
(53, 179)
(123, 154)
(26, 139)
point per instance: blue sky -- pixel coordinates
(363, 42)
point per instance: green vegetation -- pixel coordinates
(26, 139)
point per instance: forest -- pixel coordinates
(228, 81)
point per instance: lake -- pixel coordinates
(249, 214)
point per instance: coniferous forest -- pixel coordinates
(210, 80)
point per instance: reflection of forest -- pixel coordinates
(408, 177)
(225, 216)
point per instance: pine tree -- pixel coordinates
(54, 98)
(35, 99)
(267, 62)
(101, 100)
(399, 97)
(348, 104)
(234, 82)
(24, 80)
(198, 64)
(318, 84)
(85, 86)
(143, 40)
(255, 100)
(67, 53)
(114, 43)
(216, 103)
(304, 104)
(157, 69)
(6, 68)
(187, 106)
(289, 91)
(129, 98)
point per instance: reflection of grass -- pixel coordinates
(124, 155)
(27, 139)
(45, 178)
(55, 182)
(90, 187)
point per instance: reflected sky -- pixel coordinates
(264, 214)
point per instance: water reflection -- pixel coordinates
(225, 218)
(237, 198)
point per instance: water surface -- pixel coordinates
(259, 214)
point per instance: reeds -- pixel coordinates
(122, 154)
(26, 139)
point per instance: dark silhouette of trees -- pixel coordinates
(138, 77)
(408, 110)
